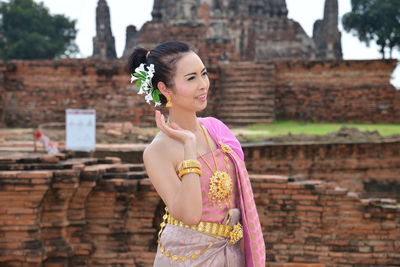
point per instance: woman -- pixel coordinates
(196, 165)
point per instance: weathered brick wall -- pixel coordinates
(370, 169)
(312, 222)
(76, 212)
(40, 91)
(337, 91)
(57, 211)
(33, 92)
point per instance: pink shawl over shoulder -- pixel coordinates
(254, 245)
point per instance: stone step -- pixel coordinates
(239, 121)
(125, 175)
(239, 112)
(249, 108)
(244, 69)
(249, 116)
(127, 167)
(248, 75)
(240, 103)
(247, 66)
(245, 121)
(259, 114)
(30, 167)
(248, 84)
(248, 97)
(255, 76)
(246, 91)
(267, 117)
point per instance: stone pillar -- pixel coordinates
(327, 36)
(130, 43)
(157, 9)
(103, 42)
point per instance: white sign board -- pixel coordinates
(80, 132)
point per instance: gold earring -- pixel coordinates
(169, 104)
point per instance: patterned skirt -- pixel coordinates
(184, 242)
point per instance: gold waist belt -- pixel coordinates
(234, 233)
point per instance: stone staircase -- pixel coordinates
(246, 93)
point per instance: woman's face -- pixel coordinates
(191, 83)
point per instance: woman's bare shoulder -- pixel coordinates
(164, 147)
(157, 144)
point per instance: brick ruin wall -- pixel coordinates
(60, 211)
(34, 92)
(369, 169)
(337, 91)
(41, 91)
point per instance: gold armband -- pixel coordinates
(189, 163)
(189, 170)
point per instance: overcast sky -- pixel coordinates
(137, 12)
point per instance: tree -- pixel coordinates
(28, 31)
(375, 20)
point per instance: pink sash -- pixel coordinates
(254, 245)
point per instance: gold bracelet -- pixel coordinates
(189, 163)
(189, 170)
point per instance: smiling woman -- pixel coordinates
(197, 167)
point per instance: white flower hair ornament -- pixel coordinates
(143, 82)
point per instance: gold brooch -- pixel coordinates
(236, 234)
(220, 186)
(226, 148)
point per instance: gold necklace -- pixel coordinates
(220, 182)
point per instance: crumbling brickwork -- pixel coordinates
(41, 91)
(336, 91)
(369, 169)
(59, 211)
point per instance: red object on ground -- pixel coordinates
(51, 147)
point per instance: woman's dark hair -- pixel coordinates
(164, 58)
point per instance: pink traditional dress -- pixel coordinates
(216, 250)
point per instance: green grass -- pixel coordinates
(295, 127)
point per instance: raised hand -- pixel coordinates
(173, 130)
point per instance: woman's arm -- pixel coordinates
(183, 198)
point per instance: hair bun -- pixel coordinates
(138, 56)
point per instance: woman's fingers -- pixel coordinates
(161, 124)
(159, 121)
(173, 130)
(174, 126)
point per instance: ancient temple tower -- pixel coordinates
(327, 36)
(249, 30)
(103, 42)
